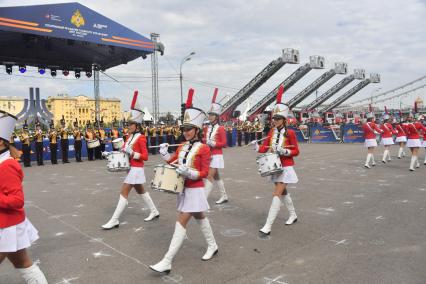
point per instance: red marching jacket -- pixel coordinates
(219, 137)
(413, 130)
(289, 140)
(139, 147)
(11, 194)
(400, 132)
(369, 128)
(388, 130)
(199, 162)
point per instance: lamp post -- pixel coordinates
(186, 58)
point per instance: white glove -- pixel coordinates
(164, 148)
(105, 154)
(187, 172)
(211, 143)
(283, 152)
(128, 150)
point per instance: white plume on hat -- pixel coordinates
(136, 112)
(193, 116)
(7, 125)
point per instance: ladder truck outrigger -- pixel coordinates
(289, 55)
(315, 62)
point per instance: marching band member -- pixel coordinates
(401, 137)
(102, 137)
(283, 142)
(422, 118)
(78, 137)
(215, 138)
(26, 145)
(53, 145)
(135, 147)
(64, 142)
(39, 135)
(16, 231)
(413, 140)
(387, 139)
(115, 134)
(89, 136)
(370, 129)
(193, 158)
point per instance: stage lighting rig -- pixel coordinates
(22, 68)
(9, 69)
(77, 73)
(65, 72)
(41, 70)
(53, 72)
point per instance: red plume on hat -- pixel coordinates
(135, 99)
(280, 94)
(386, 110)
(189, 99)
(216, 90)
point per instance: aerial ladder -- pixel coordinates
(374, 78)
(289, 55)
(358, 74)
(339, 68)
(315, 62)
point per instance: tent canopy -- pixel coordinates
(67, 36)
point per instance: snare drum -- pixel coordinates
(118, 162)
(117, 143)
(93, 143)
(269, 164)
(167, 179)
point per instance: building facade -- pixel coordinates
(12, 105)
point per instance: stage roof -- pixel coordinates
(67, 36)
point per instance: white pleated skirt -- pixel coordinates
(288, 175)
(413, 143)
(136, 175)
(18, 237)
(217, 162)
(192, 200)
(370, 143)
(387, 141)
(424, 144)
(401, 139)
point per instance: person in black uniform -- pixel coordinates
(102, 137)
(38, 137)
(53, 145)
(26, 145)
(89, 136)
(78, 136)
(239, 133)
(64, 142)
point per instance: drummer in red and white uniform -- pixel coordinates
(423, 121)
(193, 161)
(413, 130)
(215, 138)
(401, 137)
(16, 231)
(283, 142)
(135, 147)
(370, 130)
(387, 138)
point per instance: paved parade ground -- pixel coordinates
(354, 225)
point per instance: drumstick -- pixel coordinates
(170, 145)
(255, 141)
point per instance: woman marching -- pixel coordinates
(16, 231)
(413, 139)
(193, 160)
(370, 129)
(135, 147)
(283, 142)
(215, 138)
(387, 138)
(401, 137)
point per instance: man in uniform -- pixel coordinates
(53, 146)
(78, 136)
(246, 130)
(26, 145)
(90, 135)
(153, 139)
(102, 137)
(38, 137)
(239, 133)
(114, 133)
(12, 139)
(64, 141)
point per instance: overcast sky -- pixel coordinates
(235, 39)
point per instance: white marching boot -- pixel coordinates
(373, 162)
(208, 186)
(400, 152)
(150, 204)
(424, 163)
(389, 156)
(290, 207)
(417, 162)
(212, 248)
(33, 275)
(113, 222)
(367, 161)
(412, 163)
(273, 212)
(223, 196)
(385, 154)
(165, 265)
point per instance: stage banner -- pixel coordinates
(321, 134)
(352, 133)
(299, 134)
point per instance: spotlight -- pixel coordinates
(41, 70)
(22, 68)
(53, 72)
(9, 69)
(77, 73)
(65, 72)
(88, 73)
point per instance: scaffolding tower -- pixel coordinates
(154, 71)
